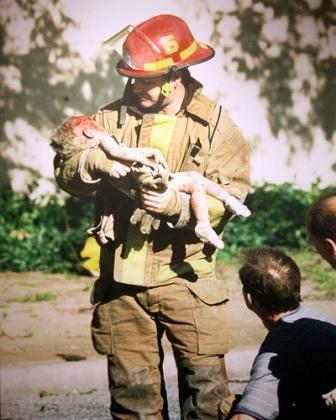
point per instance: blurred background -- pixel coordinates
(274, 71)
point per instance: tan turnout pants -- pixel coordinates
(127, 326)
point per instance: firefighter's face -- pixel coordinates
(148, 91)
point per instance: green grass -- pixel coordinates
(314, 268)
(88, 392)
(38, 297)
(44, 297)
(44, 393)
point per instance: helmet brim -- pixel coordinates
(202, 54)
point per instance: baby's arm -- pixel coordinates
(148, 156)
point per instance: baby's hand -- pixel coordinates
(119, 170)
(153, 155)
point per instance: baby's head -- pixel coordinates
(75, 134)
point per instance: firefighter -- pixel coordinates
(163, 282)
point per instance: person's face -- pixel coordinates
(148, 92)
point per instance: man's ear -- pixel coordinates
(330, 250)
(331, 246)
(248, 299)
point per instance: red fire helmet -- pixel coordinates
(159, 44)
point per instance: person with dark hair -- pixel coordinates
(296, 364)
(162, 281)
(321, 226)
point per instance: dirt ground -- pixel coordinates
(46, 317)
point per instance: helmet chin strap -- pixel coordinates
(166, 86)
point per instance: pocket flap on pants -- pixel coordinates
(210, 290)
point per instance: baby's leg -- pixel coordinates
(215, 190)
(203, 229)
(189, 182)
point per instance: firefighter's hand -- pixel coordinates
(146, 220)
(165, 202)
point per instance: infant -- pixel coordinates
(82, 132)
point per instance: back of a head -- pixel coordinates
(321, 217)
(272, 278)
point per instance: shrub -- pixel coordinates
(48, 237)
(42, 237)
(278, 218)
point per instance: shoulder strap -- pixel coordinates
(216, 123)
(197, 155)
(121, 116)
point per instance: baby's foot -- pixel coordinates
(206, 234)
(237, 207)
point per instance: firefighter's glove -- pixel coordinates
(174, 204)
(156, 179)
(146, 220)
